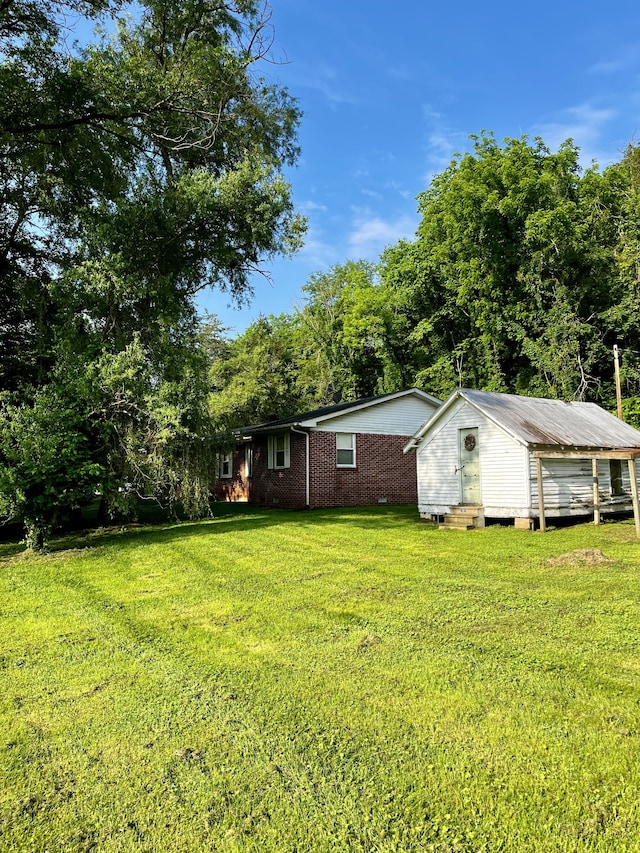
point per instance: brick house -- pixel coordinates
(349, 454)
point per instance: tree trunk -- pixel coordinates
(35, 534)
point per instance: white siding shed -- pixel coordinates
(489, 447)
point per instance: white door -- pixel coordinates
(469, 465)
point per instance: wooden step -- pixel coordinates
(463, 517)
(454, 525)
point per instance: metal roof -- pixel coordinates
(312, 417)
(539, 421)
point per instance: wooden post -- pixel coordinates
(543, 525)
(634, 495)
(616, 370)
(596, 492)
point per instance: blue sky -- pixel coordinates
(390, 91)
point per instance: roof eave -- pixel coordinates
(307, 423)
(385, 398)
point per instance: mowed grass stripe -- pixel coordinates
(341, 680)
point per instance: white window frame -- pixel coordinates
(225, 464)
(348, 442)
(248, 460)
(274, 451)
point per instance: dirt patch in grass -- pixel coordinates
(368, 642)
(582, 557)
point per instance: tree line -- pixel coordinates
(523, 274)
(146, 163)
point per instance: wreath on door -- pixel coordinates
(469, 441)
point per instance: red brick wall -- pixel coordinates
(382, 471)
(236, 487)
(284, 487)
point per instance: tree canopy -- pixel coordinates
(135, 171)
(513, 270)
(145, 164)
(523, 274)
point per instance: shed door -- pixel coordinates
(469, 465)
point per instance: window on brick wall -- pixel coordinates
(346, 449)
(279, 450)
(224, 464)
(248, 460)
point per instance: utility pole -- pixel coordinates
(616, 367)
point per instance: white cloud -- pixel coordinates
(398, 188)
(585, 124)
(310, 206)
(371, 234)
(611, 67)
(441, 142)
(374, 194)
(625, 60)
(326, 80)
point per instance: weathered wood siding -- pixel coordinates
(402, 416)
(568, 487)
(567, 484)
(504, 470)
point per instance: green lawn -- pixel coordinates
(350, 680)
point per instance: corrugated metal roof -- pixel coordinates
(552, 422)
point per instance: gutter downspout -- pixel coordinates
(306, 484)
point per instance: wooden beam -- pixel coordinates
(586, 454)
(596, 492)
(543, 525)
(634, 495)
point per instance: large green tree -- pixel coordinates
(346, 341)
(523, 275)
(512, 273)
(254, 376)
(623, 318)
(134, 171)
(348, 345)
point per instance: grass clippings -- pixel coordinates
(581, 557)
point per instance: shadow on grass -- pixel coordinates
(228, 519)
(10, 549)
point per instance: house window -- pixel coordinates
(345, 450)
(615, 473)
(248, 460)
(224, 464)
(279, 452)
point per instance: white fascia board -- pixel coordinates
(458, 394)
(517, 438)
(415, 439)
(415, 392)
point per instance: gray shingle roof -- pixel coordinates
(267, 426)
